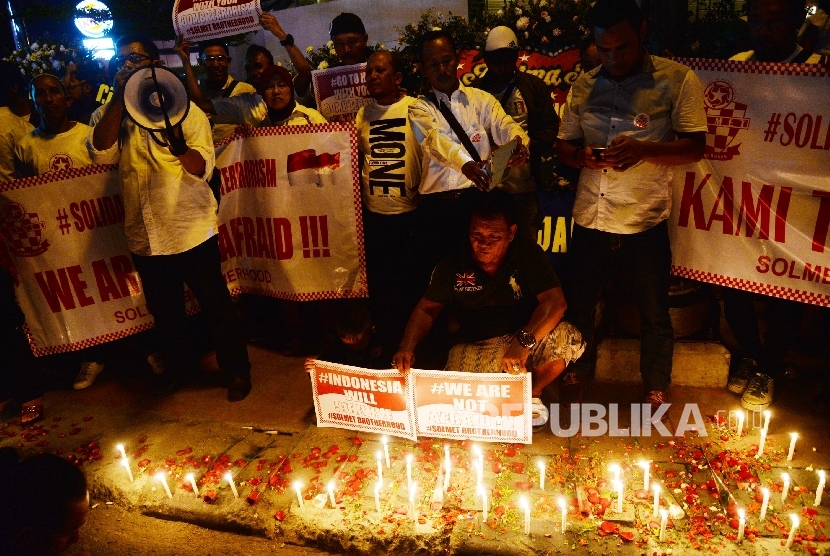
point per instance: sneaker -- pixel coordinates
(157, 363)
(758, 395)
(539, 413)
(740, 379)
(89, 370)
(656, 398)
(570, 392)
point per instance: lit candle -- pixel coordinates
(409, 470)
(793, 438)
(761, 444)
(380, 465)
(791, 537)
(523, 502)
(786, 489)
(126, 465)
(541, 475)
(740, 423)
(386, 451)
(618, 486)
(656, 509)
(192, 480)
(664, 520)
(120, 448)
(483, 494)
(161, 477)
(765, 503)
(741, 524)
(563, 506)
(298, 488)
(820, 489)
(412, 500)
(646, 465)
(767, 415)
(330, 488)
(378, 486)
(447, 466)
(229, 478)
(615, 469)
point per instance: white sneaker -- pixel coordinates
(539, 413)
(758, 395)
(157, 363)
(89, 370)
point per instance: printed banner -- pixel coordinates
(754, 213)
(558, 70)
(199, 20)
(340, 91)
(490, 407)
(290, 222)
(65, 233)
(362, 399)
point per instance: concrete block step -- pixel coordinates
(696, 364)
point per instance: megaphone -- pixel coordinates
(155, 98)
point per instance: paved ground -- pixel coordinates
(198, 431)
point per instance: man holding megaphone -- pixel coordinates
(165, 154)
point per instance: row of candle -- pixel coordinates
(739, 428)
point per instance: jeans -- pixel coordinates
(163, 277)
(784, 318)
(644, 259)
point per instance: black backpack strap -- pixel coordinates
(507, 94)
(229, 89)
(456, 127)
(801, 57)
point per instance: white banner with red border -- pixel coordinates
(487, 407)
(290, 223)
(199, 20)
(754, 213)
(65, 234)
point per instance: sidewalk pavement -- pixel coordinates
(197, 431)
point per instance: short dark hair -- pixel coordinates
(353, 317)
(395, 60)
(257, 49)
(586, 42)
(146, 42)
(493, 204)
(10, 75)
(214, 42)
(607, 13)
(37, 492)
(434, 35)
(89, 70)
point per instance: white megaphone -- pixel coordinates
(155, 99)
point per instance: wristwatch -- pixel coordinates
(527, 339)
(289, 40)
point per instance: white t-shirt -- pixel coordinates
(39, 152)
(391, 169)
(12, 128)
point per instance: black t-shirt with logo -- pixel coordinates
(490, 306)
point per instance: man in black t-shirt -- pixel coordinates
(508, 300)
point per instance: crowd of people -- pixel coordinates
(444, 236)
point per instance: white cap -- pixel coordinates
(501, 37)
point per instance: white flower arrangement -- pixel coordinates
(47, 57)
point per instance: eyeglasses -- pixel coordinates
(135, 58)
(220, 59)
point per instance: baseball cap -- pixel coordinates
(501, 37)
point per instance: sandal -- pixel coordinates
(31, 412)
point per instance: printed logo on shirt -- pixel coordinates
(466, 282)
(519, 108)
(388, 157)
(517, 290)
(22, 230)
(642, 121)
(60, 161)
(476, 138)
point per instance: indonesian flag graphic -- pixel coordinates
(308, 167)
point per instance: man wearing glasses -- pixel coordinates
(216, 60)
(171, 224)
